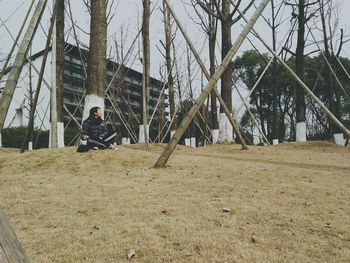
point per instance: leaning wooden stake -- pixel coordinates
(10, 248)
(9, 55)
(207, 75)
(190, 115)
(11, 83)
(30, 125)
(302, 84)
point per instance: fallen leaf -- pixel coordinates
(131, 254)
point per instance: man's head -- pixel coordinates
(95, 112)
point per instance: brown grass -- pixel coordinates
(289, 203)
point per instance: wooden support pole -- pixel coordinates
(10, 249)
(190, 115)
(2, 72)
(6, 97)
(207, 75)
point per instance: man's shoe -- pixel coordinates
(113, 146)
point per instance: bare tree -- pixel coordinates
(169, 64)
(327, 14)
(96, 70)
(57, 114)
(209, 24)
(146, 71)
(222, 11)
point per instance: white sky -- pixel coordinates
(128, 16)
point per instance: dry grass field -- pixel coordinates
(285, 203)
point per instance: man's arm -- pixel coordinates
(104, 129)
(84, 130)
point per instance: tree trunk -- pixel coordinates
(274, 69)
(59, 71)
(169, 65)
(146, 70)
(226, 79)
(96, 70)
(226, 133)
(57, 126)
(212, 32)
(299, 61)
(330, 81)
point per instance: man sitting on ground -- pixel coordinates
(95, 133)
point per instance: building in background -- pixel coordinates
(124, 95)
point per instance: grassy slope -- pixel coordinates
(289, 203)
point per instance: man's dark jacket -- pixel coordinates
(94, 127)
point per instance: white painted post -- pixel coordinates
(188, 142)
(30, 146)
(60, 135)
(225, 129)
(300, 132)
(193, 142)
(215, 135)
(142, 133)
(125, 140)
(339, 139)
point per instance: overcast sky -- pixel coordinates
(127, 19)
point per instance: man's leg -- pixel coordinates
(110, 137)
(97, 142)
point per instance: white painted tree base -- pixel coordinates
(91, 101)
(142, 133)
(172, 133)
(30, 146)
(193, 142)
(339, 139)
(0, 141)
(274, 141)
(215, 135)
(225, 129)
(188, 142)
(300, 135)
(125, 141)
(60, 135)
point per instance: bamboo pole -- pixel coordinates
(189, 116)
(342, 66)
(302, 84)
(207, 75)
(16, 40)
(11, 83)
